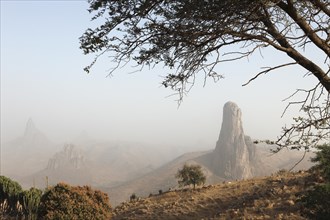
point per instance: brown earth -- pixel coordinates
(272, 197)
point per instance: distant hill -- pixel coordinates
(107, 163)
(159, 179)
(26, 154)
(163, 178)
(68, 165)
(28, 159)
(123, 168)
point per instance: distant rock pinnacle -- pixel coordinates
(68, 158)
(235, 155)
(30, 128)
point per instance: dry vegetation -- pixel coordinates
(273, 197)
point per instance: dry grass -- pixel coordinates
(273, 197)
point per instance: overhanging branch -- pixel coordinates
(268, 70)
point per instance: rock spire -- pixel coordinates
(235, 155)
(30, 128)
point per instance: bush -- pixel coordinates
(30, 199)
(322, 159)
(190, 175)
(74, 202)
(9, 195)
(133, 197)
(316, 202)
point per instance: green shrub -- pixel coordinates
(30, 200)
(74, 202)
(316, 202)
(322, 159)
(9, 193)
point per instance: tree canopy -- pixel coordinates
(192, 36)
(190, 175)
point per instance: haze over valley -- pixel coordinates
(121, 168)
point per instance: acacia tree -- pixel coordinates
(190, 175)
(190, 37)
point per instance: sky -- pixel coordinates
(42, 78)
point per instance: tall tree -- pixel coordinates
(189, 37)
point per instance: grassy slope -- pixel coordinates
(273, 197)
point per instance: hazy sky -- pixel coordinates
(42, 77)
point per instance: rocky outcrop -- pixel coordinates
(30, 129)
(69, 158)
(68, 165)
(235, 155)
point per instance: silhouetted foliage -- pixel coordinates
(317, 201)
(133, 197)
(191, 175)
(322, 159)
(74, 202)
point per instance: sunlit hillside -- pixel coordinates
(272, 197)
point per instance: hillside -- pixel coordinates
(235, 157)
(272, 197)
(160, 179)
(163, 177)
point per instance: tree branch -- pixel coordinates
(268, 70)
